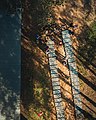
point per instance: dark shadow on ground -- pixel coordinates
(88, 62)
(87, 41)
(22, 117)
(34, 77)
(85, 113)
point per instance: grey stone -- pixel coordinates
(54, 71)
(56, 87)
(58, 100)
(55, 83)
(57, 92)
(57, 96)
(54, 76)
(55, 79)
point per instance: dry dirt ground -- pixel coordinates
(35, 60)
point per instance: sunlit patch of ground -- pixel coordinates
(63, 14)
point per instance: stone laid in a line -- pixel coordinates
(56, 87)
(59, 109)
(58, 100)
(75, 92)
(68, 44)
(52, 52)
(53, 72)
(73, 71)
(57, 92)
(73, 68)
(60, 112)
(65, 36)
(73, 64)
(57, 96)
(70, 55)
(52, 60)
(58, 104)
(74, 79)
(67, 40)
(50, 43)
(54, 76)
(68, 51)
(55, 80)
(76, 86)
(52, 55)
(53, 67)
(52, 63)
(51, 47)
(61, 118)
(71, 60)
(77, 99)
(55, 84)
(60, 115)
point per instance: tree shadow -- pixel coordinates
(85, 113)
(87, 44)
(60, 57)
(87, 7)
(34, 69)
(35, 16)
(90, 84)
(34, 76)
(22, 117)
(88, 99)
(88, 61)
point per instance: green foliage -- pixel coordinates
(91, 37)
(88, 42)
(92, 33)
(58, 2)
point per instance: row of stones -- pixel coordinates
(55, 81)
(73, 71)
